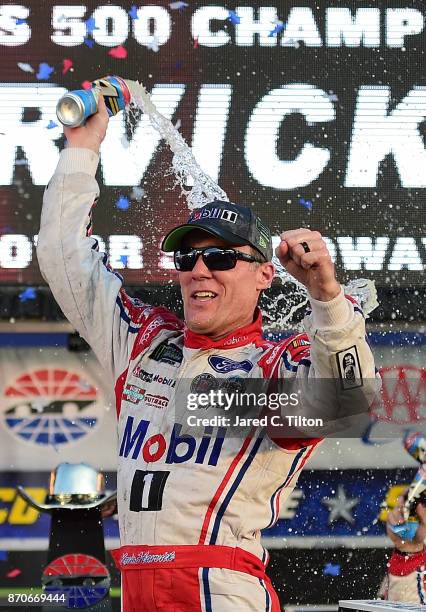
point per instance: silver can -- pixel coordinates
(76, 106)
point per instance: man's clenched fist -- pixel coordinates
(305, 256)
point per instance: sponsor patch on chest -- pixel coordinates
(152, 377)
(167, 353)
(224, 364)
(135, 395)
(158, 401)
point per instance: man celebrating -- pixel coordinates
(405, 579)
(192, 503)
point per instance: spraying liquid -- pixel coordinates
(280, 310)
(184, 163)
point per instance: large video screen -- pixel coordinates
(312, 113)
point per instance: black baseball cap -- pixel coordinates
(234, 223)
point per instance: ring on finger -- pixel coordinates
(305, 246)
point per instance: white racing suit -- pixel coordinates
(192, 501)
(406, 578)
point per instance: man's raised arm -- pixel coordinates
(89, 293)
(332, 363)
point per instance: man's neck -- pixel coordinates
(245, 332)
(229, 331)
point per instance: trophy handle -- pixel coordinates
(55, 505)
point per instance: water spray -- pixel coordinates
(74, 108)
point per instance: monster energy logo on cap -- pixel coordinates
(264, 233)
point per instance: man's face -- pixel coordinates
(218, 302)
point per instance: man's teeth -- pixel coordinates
(204, 294)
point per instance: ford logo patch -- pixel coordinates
(223, 364)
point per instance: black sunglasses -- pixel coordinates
(213, 257)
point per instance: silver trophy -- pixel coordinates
(74, 486)
(76, 574)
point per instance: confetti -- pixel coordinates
(86, 85)
(178, 65)
(233, 17)
(332, 97)
(195, 45)
(20, 21)
(133, 13)
(91, 25)
(3, 555)
(28, 294)
(276, 30)
(137, 193)
(89, 43)
(25, 67)
(118, 52)
(13, 573)
(51, 125)
(331, 570)
(124, 259)
(66, 65)
(122, 203)
(44, 71)
(178, 5)
(153, 44)
(306, 203)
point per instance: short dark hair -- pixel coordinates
(255, 253)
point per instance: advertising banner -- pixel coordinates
(327, 509)
(55, 406)
(312, 114)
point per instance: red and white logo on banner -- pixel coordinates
(51, 405)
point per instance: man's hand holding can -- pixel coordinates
(92, 133)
